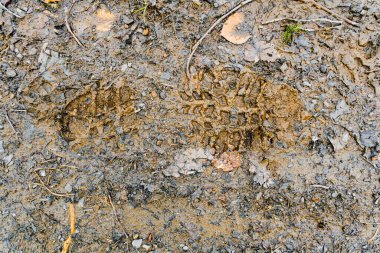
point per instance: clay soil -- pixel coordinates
(271, 145)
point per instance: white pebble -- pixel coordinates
(137, 243)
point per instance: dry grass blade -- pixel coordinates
(9, 121)
(68, 241)
(316, 20)
(117, 218)
(374, 236)
(50, 191)
(333, 13)
(68, 11)
(9, 11)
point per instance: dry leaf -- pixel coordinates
(228, 161)
(230, 32)
(52, 1)
(105, 19)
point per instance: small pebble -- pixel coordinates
(147, 247)
(162, 94)
(185, 248)
(166, 76)
(284, 67)
(153, 94)
(146, 32)
(137, 243)
(68, 188)
(81, 203)
(8, 159)
(11, 73)
(1, 147)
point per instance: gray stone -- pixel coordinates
(166, 76)
(137, 243)
(302, 41)
(162, 94)
(356, 7)
(11, 73)
(8, 159)
(1, 147)
(341, 109)
(369, 138)
(68, 188)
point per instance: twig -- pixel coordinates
(50, 191)
(374, 236)
(372, 71)
(195, 47)
(368, 161)
(320, 186)
(57, 168)
(322, 20)
(9, 121)
(9, 11)
(54, 193)
(320, 6)
(68, 241)
(370, 223)
(118, 219)
(68, 11)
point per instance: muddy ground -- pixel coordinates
(271, 146)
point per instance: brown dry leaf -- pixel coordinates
(228, 161)
(105, 19)
(230, 32)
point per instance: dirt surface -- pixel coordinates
(271, 146)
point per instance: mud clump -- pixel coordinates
(240, 111)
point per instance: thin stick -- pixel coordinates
(68, 241)
(368, 161)
(320, 6)
(195, 47)
(57, 168)
(54, 193)
(68, 25)
(50, 191)
(118, 219)
(9, 11)
(374, 236)
(303, 20)
(372, 71)
(320, 186)
(9, 121)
